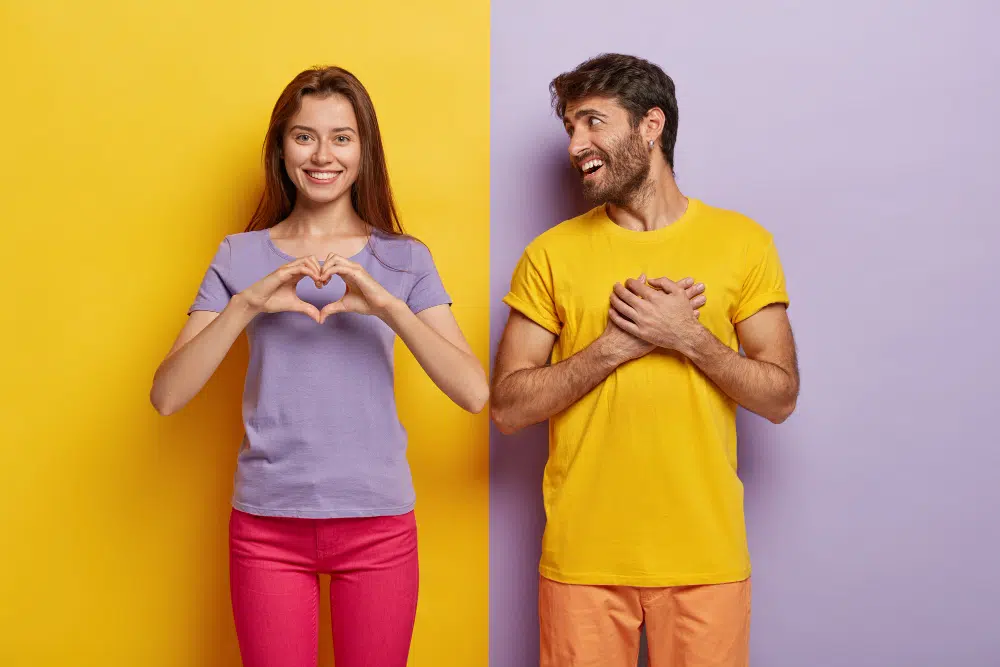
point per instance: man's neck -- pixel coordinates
(660, 205)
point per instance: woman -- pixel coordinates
(322, 482)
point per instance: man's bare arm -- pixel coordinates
(766, 380)
(526, 390)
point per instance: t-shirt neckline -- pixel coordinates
(269, 242)
(601, 214)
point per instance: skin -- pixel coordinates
(638, 186)
(321, 150)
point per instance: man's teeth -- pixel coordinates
(590, 165)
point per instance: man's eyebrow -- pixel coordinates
(588, 111)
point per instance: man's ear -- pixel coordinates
(651, 125)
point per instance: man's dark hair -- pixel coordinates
(636, 84)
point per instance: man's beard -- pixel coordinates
(626, 172)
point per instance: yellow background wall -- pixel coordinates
(132, 135)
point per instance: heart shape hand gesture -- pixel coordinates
(275, 292)
(363, 295)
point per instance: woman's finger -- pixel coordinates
(299, 306)
(300, 268)
(332, 261)
(317, 271)
(331, 309)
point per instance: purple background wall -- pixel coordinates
(864, 136)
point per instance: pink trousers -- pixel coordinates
(274, 565)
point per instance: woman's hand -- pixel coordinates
(275, 292)
(363, 293)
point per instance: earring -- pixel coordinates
(651, 143)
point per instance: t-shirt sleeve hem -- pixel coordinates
(760, 301)
(424, 305)
(209, 306)
(532, 313)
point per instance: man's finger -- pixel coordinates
(623, 308)
(622, 323)
(666, 284)
(694, 290)
(641, 288)
(626, 295)
(698, 302)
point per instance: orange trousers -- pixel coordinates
(686, 626)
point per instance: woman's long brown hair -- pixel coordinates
(371, 194)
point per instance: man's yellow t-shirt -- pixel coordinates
(640, 487)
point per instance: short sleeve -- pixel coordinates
(428, 289)
(214, 293)
(531, 290)
(764, 282)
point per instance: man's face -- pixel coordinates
(610, 155)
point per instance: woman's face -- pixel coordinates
(322, 148)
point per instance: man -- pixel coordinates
(643, 304)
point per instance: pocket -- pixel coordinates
(247, 527)
(397, 535)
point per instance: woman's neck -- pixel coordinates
(312, 220)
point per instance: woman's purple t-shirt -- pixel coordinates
(322, 435)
